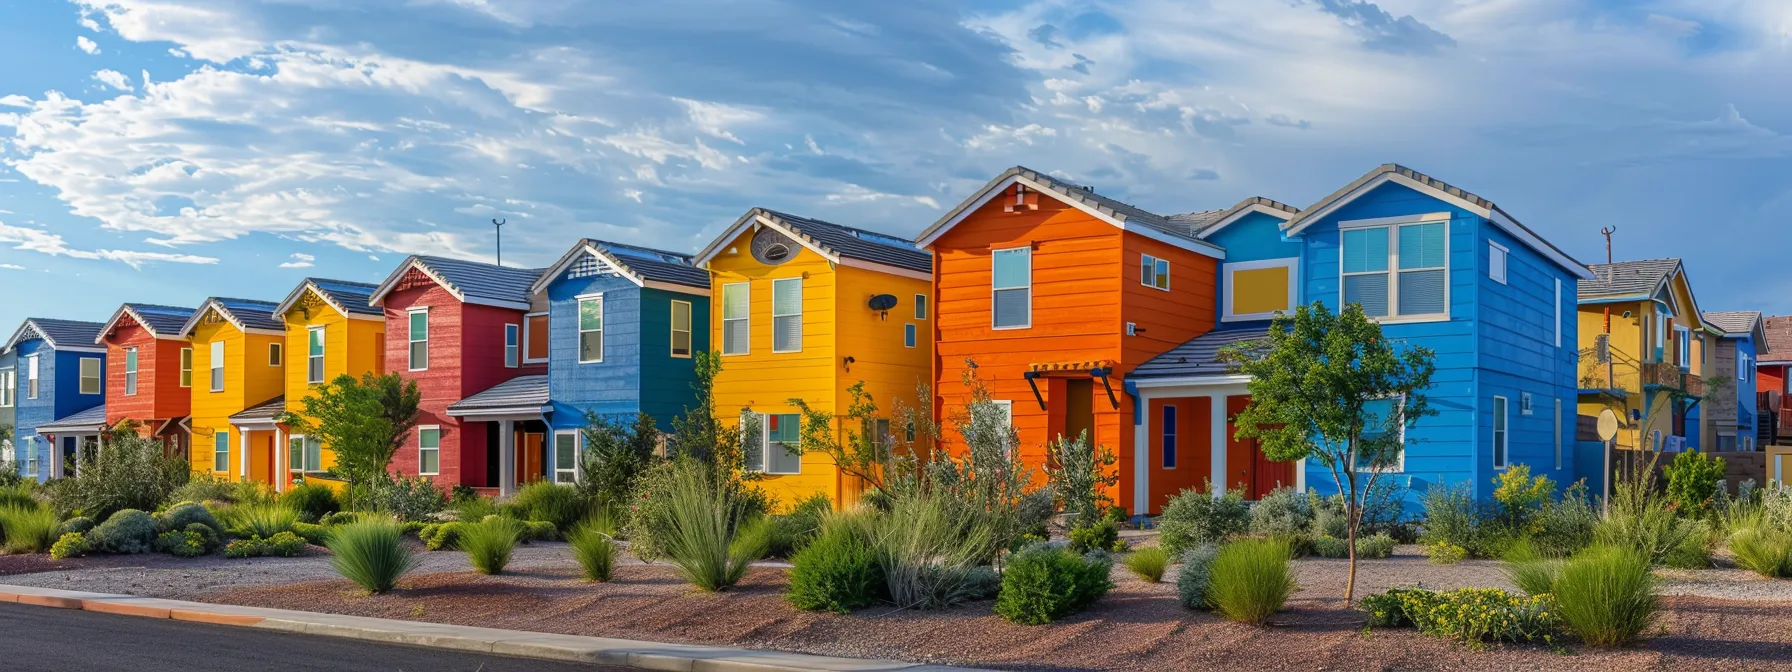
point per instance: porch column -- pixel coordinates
(506, 457)
(243, 450)
(282, 461)
(1218, 449)
(1141, 452)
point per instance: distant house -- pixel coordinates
(60, 380)
(1727, 417)
(239, 364)
(149, 372)
(10, 457)
(1644, 352)
(331, 331)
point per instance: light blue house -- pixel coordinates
(1726, 417)
(1440, 268)
(622, 325)
(59, 379)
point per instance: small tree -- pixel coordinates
(615, 455)
(363, 421)
(699, 433)
(1080, 476)
(865, 452)
(1314, 383)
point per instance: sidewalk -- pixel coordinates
(622, 652)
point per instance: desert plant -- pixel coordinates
(1452, 516)
(703, 517)
(930, 546)
(283, 544)
(1606, 595)
(594, 547)
(70, 545)
(312, 533)
(1194, 517)
(1284, 513)
(363, 421)
(1330, 547)
(181, 544)
(1103, 535)
(182, 514)
(1445, 553)
(312, 500)
(261, 519)
(1468, 615)
(131, 473)
(371, 554)
(838, 571)
(21, 495)
(1520, 497)
(1149, 563)
(616, 453)
(792, 531)
(1378, 545)
(1529, 570)
(1763, 550)
(1566, 526)
(442, 536)
(1694, 479)
(81, 524)
(207, 534)
(489, 543)
(128, 531)
(550, 502)
(406, 498)
(1081, 475)
(205, 487)
(1196, 576)
(29, 530)
(1043, 584)
(1251, 580)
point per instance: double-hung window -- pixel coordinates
(1169, 437)
(513, 345)
(1011, 281)
(787, 315)
(681, 329)
(736, 327)
(1154, 272)
(566, 457)
(31, 377)
(1398, 270)
(31, 456)
(591, 329)
(1383, 446)
(419, 339)
(8, 388)
(1500, 432)
(920, 306)
(186, 367)
(217, 366)
(130, 371)
(91, 375)
(221, 452)
(1683, 347)
(429, 451)
(305, 454)
(777, 448)
(1496, 262)
(314, 355)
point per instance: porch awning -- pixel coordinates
(522, 395)
(1049, 368)
(263, 413)
(90, 421)
(1199, 356)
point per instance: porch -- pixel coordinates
(74, 439)
(512, 421)
(262, 444)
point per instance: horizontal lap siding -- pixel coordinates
(612, 387)
(1519, 355)
(440, 385)
(354, 347)
(1162, 321)
(248, 380)
(29, 413)
(890, 370)
(666, 381)
(142, 405)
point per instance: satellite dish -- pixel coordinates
(1608, 425)
(882, 302)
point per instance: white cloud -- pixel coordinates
(12, 267)
(299, 260)
(87, 45)
(114, 79)
(44, 242)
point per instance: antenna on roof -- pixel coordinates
(498, 224)
(1608, 231)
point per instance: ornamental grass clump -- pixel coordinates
(1526, 568)
(1043, 584)
(554, 503)
(702, 520)
(1606, 595)
(594, 547)
(313, 501)
(371, 554)
(1251, 580)
(1765, 551)
(490, 542)
(260, 519)
(30, 530)
(1149, 563)
(838, 571)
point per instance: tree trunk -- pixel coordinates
(1351, 511)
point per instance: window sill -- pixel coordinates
(1023, 326)
(1412, 319)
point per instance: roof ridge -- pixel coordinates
(788, 216)
(643, 248)
(345, 282)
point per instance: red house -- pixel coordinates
(456, 327)
(149, 371)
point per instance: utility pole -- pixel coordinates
(1608, 231)
(498, 224)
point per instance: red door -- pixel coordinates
(1247, 468)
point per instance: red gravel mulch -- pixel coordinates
(1138, 626)
(30, 563)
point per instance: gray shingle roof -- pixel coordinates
(351, 297)
(90, 420)
(1201, 222)
(854, 243)
(1180, 226)
(161, 319)
(472, 281)
(262, 412)
(59, 333)
(652, 264)
(1626, 278)
(249, 313)
(1735, 322)
(1199, 356)
(518, 392)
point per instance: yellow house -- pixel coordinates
(1643, 351)
(806, 309)
(238, 355)
(332, 331)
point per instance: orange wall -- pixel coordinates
(1194, 449)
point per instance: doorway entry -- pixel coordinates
(1079, 409)
(1247, 469)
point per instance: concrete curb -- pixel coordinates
(618, 652)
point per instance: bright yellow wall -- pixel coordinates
(248, 380)
(1628, 338)
(889, 369)
(354, 346)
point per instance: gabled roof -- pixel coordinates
(1172, 230)
(261, 413)
(1627, 280)
(469, 281)
(1777, 349)
(641, 265)
(1398, 174)
(836, 243)
(348, 298)
(60, 334)
(1220, 219)
(87, 421)
(1740, 324)
(159, 321)
(246, 315)
(519, 394)
(1200, 355)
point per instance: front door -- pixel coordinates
(1079, 409)
(1246, 467)
(530, 462)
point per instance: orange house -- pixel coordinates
(1057, 293)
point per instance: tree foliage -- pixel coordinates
(616, 454)
(363, 421)
(1081, 475)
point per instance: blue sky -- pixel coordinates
(168, 150)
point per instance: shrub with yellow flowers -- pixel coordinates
(1472, 616)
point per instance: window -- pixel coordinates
(1416, 260)
(274, 354)
(91, 375)
(735, 325)
(186, 367)
(1558, 434)
(1384, 416)
(566, 457)
(314, 355)
(1496, 262)
(1743, 367)
(681, 329)
(1154, 272)
(1012, 284)
(305, 454)
(1524, 403)
(879, 428)
(419, 339)
(1007, 408)
(31, 456)
(1169, 437)
(221, 452)
(779, 448)
(908, 335)
(1683, 347)
(908, 431)
(1558, 322)
(1257, 290)
(787, 315)
(31, 377)
(217, 366)
(130, 371)
(591, 329)
(535, 338)
(513, 345)
(920, 306)
(429, 451)
(8, 383)
(1500, 432)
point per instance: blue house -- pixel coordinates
(621, 327)
(60, 378)
(1726, 416)
(1440, 268)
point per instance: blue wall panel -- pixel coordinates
(608, 388)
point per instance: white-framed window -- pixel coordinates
(314, 355)
(535, 338)
(31, 380)
(909, 335)
(777, 452)
(1558, 434)
(417, 356)
(8, 388)
(1496, 261)
(1382, 413)
(429, 450)
(591, 328)
(1683, 347)
(92, 375)
(1524, 403)
(221, 452)
(31, 456)
(276, 354)
(1397, 271)
(736, 324)
(130, 371)
(1169, 437)
(1007, 408)
(920, 306)
(787, 315)
(1257, 290)
(1011, 287)
(1744, 367)
(513, 345)
(186, 367)
(566, 457)
(217, 366)
(681, 329)
(304, 454)
(1501, 432)
(1558, 322)
(1154, 272)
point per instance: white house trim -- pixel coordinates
(1240, 214)
(990, 192)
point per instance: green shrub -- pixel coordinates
(283, 544)
(838, 571)
(260, 519)
(932, 547)
(1638, 519)
(312, 533)
(594, 546)
(760, 533)
(1527, 569)
(128, 531)
(1041, 585)
(1445, 553)
(182, 514)
(29, 530)
(313, 501)
(1767, 552)
(538, 530)
(1566, 526)
(1329, 518)
(1330, 547)
(406, 498)
(1606, 595)
(1149, 563)
(1103, 535)
(19, 495)
(562, 506)
(1196, 576)
(181, 544)
(445, 538)
(1251, 580)
(490, 542)
(411, 527)
(475, 509)
(1387, 610)
(1694, 549)
(1520, 497)
(1469, 615)
(1196, 517)
(1383, 510)
(207, 534)
(342, 518)
(703, 518)
(371, 554)
(70, 545)
(1694, 479)
(81, 524)
(205, 488)
(1378, 545)
(792, 531)
(1283, 513)
(132, 472)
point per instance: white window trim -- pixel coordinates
(1290, 263)
(765, 445)
(308, 468)
(131, 365)
(1505, 260)
(578, 455)
(1008, 407)
(1558, 322)
(1393, 224)
(216, 364)
(420, 449)
(1558, 432)
(798, 315)
(1154, 274)
(1683, 348)
(8, 388)
(911, 335)
(410, 338)
(225, 437)
(690, 330)
(579, 329)
(1526, 403)
(527, 332)
(920, 307)
(1500, 436)
(277, 354)
(323, 354)
(993, 288)
(33, 378)
(509, 331)
(99, 379)
(747, 347)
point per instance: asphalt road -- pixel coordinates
(40, 638)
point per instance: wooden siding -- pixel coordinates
(1518, 355)
(611, 387)
(352, 346)
(248, 380)
(159, 395)
(28, 412)
(666, 380)
(1194, 449)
